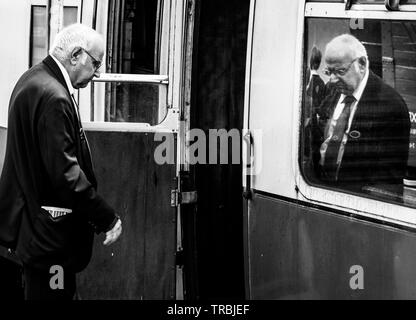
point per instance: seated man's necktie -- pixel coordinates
(332, 159)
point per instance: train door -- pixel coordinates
(133, 126)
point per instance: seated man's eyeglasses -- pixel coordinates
(96, 63)
(339, 71)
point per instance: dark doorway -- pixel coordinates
(218, 103)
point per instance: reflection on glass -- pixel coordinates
(134, 102)
(133, 48)
(39, 35)
(133, 40)
(359, 132)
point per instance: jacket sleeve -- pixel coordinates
(57, 141)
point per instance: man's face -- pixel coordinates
(345, 71)
(87, 65)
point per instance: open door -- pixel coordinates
(134, 110)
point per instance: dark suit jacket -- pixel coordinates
(378, 144)
(47, 163)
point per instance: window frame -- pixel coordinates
(169, 28)
(356, 205)
(50, 19)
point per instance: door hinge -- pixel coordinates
(177, 198)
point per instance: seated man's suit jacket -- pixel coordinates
(48, 163)
(378, 142)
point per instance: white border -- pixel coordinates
(356, 205)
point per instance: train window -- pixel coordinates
(70, 15)
(359, 107)
(38, 35)
(62, 14)
(134, 102)
(134, 50)
(133, 39)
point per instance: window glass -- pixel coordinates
(39, 35)
(359, 107)
(132, 36)
(133, 102)
(70, 15)
(133, 48)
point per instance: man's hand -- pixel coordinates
(112, 235)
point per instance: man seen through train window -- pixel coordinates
(366, 138)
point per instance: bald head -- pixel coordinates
(346, 62)
(80, 49)
(344, 48)
(73, 36)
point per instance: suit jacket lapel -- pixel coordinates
(51, 64)
(365, 107)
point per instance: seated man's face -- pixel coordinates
(346, 71)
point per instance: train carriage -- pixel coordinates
(306, 239)
(258, 224)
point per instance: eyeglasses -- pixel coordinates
(339, 71)
(96, 63)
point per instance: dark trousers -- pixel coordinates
(39, 285)
(10, 280)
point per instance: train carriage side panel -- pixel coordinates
(295, 247)
(15, 49)
(302, 253)
(271, 95)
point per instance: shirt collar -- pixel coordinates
(65, 75)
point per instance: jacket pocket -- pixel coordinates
(53, 235)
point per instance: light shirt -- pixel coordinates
(357, 94)
(65, 75)
(68, 83)
(71, 92)
(314, 73)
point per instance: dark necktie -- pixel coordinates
(81, 129)
(331, 164)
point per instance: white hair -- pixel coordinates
(73, 36)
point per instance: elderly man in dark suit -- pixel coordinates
(366, 123)
(49, 207)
